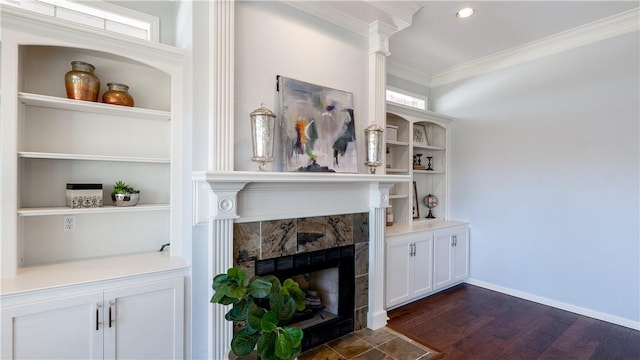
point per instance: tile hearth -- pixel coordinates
(381, 344)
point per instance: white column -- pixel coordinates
(221, 73)
(379, 201)
(222, 198)
(223, 209)
(379, 33)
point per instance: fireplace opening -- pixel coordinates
(328, 277)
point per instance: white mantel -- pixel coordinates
(239, 196)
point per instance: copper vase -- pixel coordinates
(81, 83)
(118, 94)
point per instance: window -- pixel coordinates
(98, 14)
(407, 99)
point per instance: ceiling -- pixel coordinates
(437, 40)
(430, 40)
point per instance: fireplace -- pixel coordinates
(327, 274)
(325, 254)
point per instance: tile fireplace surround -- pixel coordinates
(276, 238)
(234, 203)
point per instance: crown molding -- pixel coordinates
(401, 12)
(324, 10)
(408, 73)
(606, 28)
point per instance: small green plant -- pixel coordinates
(264, 305)
(122, 188)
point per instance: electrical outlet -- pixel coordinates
(69, 223)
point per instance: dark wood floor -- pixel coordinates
(468, 322)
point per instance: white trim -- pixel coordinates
(557, 304)
(602, 29)
(406, 72)
(324, 10)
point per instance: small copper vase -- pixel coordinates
(81, 83)
(118, 94)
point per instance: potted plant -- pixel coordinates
(262, 306)
(124, 195)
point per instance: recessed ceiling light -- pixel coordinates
(465, 13)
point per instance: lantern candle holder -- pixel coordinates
(373, 141)
(263, 123)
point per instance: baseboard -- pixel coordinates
(557, 304)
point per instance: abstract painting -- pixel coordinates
(318, 128)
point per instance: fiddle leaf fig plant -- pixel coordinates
(264, 305)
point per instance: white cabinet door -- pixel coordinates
(145, 322)
(398, 267)
(460, 263)
(442, 254)
(64, 328)
(408, 269)
(451, 257)
(421, 264)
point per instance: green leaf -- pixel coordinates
(266, 346)
(236, 291)
(282, 305)
(275, 283)
(295, 335)
(283, 346)
(239, 311)
(220, 293)
(269, 321)
(298, 295)
(237, 274)
(254, 315)
(220, 280)
(259, 288)
(243, 343)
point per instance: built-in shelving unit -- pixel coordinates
(423, 135)
(50, 140)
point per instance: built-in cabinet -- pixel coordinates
(429, 258)
(49, 141)
(410, 276)
(102, 324)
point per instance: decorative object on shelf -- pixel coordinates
(389, 216)
(118, 94)
(318, 128)
(416, 207)
(261, 307)
(417, 162)
(124, 195)
(84, 196)
(81, 83)
(430, 201)
(391, 133)
(420, 135)
(429, 168)
(263, 128)
(373, 142)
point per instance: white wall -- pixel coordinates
(274, 39)
(545, 166)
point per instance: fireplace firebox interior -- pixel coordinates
(328, 276)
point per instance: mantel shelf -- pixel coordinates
(294, 177)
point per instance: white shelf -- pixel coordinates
(397, 171)
(429, 147)
(428, 172)
(46, 211)
(53, 102)
(397, 143)
(87, 157)
(392, 197)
